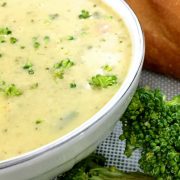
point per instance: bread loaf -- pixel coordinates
(160, 20)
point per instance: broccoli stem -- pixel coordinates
(93, 168)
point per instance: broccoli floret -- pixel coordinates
(93, 168)
(80, 170)
(103, 81)
(9, 90)
(59, 68)
(5, 31)
(84, 14)
(28, 67)
(152, 124)
(13, 40)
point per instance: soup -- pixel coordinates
(60, 63)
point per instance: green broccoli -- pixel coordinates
(152, 124)
(103, 81)
(53, 16)
(5, 31)
(93, 168)
(13, 40)
(107, 68)
(59, 68)
(2, 39)
(84, 14)
(9, 90)
(28, 67)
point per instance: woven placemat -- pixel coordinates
(112, 148)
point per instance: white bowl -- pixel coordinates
(60, 155)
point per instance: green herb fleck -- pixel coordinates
(1, 55)
(46, 39)
(59, 68)
(2, 39)
(36, 45)
(84, 14)
(103, 81)
(107, 68)
(39, 121)
(12, 90)
(70, 38)
(103, 40)
(84, 31)
(4, 4)
(29, 67)
(5, 130)
(73, 85)
(53, 16)
(109, 17)
(35, 38)
(89, 47)
(13, 40)
(34, 86)
(22, 47)
(97, 15)
(5, 31)
(9, 90)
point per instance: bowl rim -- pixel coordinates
(139, 56)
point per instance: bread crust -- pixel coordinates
(160, 20)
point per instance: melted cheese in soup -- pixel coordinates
(60, 63)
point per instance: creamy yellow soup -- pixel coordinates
(61, 61)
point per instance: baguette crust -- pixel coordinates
(161, 24)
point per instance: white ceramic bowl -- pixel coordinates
(60, 155)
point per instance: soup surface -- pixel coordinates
(60, 62)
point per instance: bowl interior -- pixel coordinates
(137, 58)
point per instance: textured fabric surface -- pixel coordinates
(112, 147)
